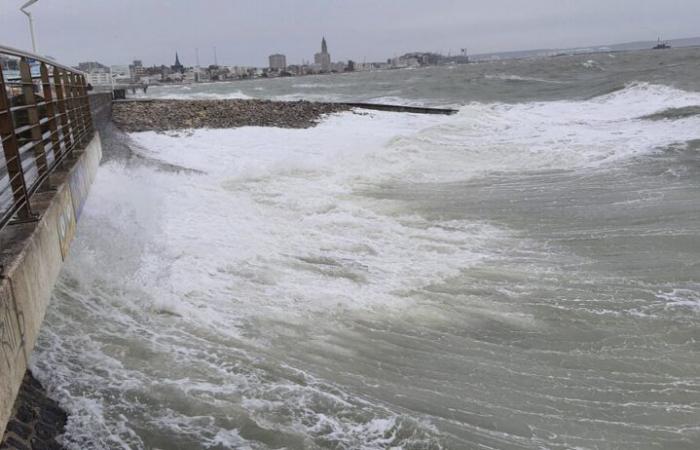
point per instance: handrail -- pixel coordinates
(4, 50)
(44, 118)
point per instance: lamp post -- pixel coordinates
(31, 21)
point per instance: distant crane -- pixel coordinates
(23, 8)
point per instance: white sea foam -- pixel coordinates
(268, 225)
(314, 96)
(282, 179)
(395, 100)
(486, 138)
(591, 64)
(681, 298)
(265, 225)
(510, 77)
(328, 85)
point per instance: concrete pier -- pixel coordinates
(31, 257)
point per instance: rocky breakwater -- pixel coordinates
(162, 115)
(36, 422)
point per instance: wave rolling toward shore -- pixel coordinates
(520, 275)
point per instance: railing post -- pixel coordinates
(33, 117)
(50, 113)
(80, 106)
(77, 104)
(86, 105)
(12, 158)
(63, 112)
(37, 135)
(73, 126)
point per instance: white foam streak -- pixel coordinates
(173, 260)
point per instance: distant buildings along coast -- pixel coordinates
(100, 75)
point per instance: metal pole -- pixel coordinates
(196, 69)
(31, 21)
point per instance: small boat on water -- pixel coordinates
(661, 45)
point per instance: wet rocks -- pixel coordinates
(161, 115)
(36, 420)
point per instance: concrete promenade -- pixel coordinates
(31, 256)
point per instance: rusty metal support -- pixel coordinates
(39, 128)
(82, 123)
(12, 159)
(62, 110)
(79, 106)
(50, 112)
(86, 105)
(70, 103)
(33, 117)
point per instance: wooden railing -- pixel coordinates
(44, 118)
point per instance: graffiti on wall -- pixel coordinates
(66, 222)
(79, 187)
(11, 331)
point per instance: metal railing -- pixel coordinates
(44, 118)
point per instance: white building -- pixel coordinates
(100, 77)
(119, 70)
(120, 74)
(238, 71)
(201, 76)
(137, 70)
(338, 66)
(363, 67)
(189, 76)
(278, 62)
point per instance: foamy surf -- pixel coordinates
(390, 281)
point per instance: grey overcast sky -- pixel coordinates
(245, 32)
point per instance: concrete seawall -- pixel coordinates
(31, 257)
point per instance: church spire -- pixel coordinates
(177, 67)
(324, 46)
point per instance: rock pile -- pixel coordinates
(36, 419)
(161, 115)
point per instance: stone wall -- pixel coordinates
(161, 115)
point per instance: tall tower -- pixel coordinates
(323, 58)
(177, 67)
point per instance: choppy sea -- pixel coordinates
(524, 274)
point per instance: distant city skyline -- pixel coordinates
(246, 32)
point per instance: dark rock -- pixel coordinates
(14, 444)
(25, 414)
(21, 430)
(44, 431)
(161, 115)
(45, 445)
(36, 421)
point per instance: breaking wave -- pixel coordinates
(219, 305)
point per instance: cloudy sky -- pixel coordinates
(245, 32)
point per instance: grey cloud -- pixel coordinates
(246, 31)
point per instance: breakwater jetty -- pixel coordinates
(161, 115)
(50, 154)
(165, 114)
